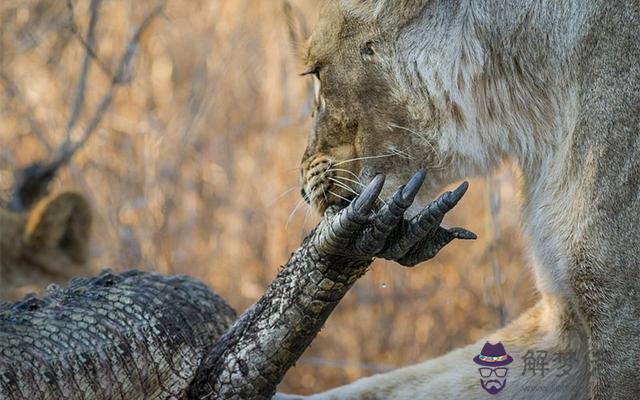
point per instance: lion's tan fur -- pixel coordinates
(456, 87)
(47, 244)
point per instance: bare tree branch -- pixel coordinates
(89, 47)
(122, 76)
(78, 103)
(31, 183)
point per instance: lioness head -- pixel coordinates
(398, 85)
(47, 244)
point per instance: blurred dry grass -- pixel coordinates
(194, 171)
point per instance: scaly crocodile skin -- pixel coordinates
(130, 335)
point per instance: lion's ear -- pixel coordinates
(297, 28)
(401, 11)
(61, 222)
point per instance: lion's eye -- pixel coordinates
(367, 49)
(314, 70)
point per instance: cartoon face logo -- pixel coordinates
(492, 360)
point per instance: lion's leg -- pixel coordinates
(605, 266)
(614, 326)
(605, 276)
(543, 334)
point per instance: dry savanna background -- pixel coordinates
(193, 169)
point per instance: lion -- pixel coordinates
(456, 87)
(47, 244)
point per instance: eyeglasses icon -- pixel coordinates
(499, 372)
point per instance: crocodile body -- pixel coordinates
(137, 335)
(131, 335)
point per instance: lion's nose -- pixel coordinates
(303, 192)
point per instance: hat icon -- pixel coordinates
(493, 355)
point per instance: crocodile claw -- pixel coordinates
(365, 201)
(358, 233)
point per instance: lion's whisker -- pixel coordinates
(349, 180)
(359, 183)
(324, 193)
(400, 153)
(422, 138)
(295, 209)
(364, 158)
(343, 186)
(344, 170)
(340, 197)
(306, 215)
(281, 195)
(404, 128)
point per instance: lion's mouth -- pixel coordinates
(326, 185)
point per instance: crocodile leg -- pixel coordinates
(252, 357)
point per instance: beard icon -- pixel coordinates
(493, 360)
(493, 386)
